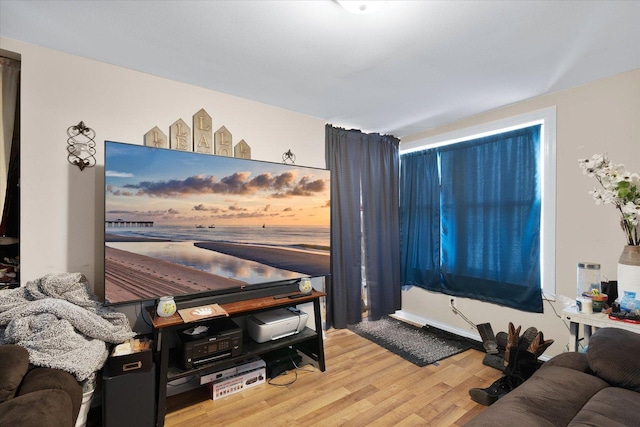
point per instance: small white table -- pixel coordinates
(590, 321)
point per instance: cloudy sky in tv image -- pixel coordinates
(171, 187)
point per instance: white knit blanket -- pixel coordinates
(61, 323)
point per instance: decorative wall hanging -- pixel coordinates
(289, 158)
(202, 133)
(81, 146)
(199, 138)
(156, 138)
(180, 136)
(223, 142)
(242, 150)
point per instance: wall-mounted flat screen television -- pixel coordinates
(193, 225)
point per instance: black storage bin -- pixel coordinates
(129, 399)
(129, 363)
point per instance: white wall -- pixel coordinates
(600, 117)
(62, 219)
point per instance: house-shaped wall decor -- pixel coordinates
(180, 134)
(223, 142)
(156, 138)
(202, 132)
(242, 150)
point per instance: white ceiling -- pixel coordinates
(409, 67)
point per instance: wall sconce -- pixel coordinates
(81, 146)
(289, 158)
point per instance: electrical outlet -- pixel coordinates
(453, 302)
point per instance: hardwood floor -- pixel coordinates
(363, 385)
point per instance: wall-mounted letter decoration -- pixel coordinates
(242, 150)
(202, 132)
(223, 142)
(199, 138)
(81, 146)
(156, 138)
(180, 134)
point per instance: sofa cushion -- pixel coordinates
(51, 408)
(611, 407)
(14, 363)
(53, 379)
(613, 356)
(551, 397)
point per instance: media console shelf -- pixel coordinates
(308, 341)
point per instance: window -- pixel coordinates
(436, 222)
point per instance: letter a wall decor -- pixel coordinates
(202, 132)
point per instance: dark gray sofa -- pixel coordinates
(598, 388)
(35, 397)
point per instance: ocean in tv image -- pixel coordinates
(182, 223)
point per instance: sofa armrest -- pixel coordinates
(53, 379)
(576, 361)
(14, 363)
(51, 408)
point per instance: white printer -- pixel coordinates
(275, 324)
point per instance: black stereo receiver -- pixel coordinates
(221, 339)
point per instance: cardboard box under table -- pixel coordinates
(235, 379)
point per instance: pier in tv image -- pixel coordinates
(187, 224)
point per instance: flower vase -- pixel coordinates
(629, 271)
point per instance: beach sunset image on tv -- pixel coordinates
(182, 223)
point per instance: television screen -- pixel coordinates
(190, 224)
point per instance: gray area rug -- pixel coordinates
(420, 346)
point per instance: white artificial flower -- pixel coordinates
(619, 188)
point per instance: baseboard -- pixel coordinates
(419, 320)
(403, 315)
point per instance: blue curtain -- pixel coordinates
(420, 219)
(489, 228)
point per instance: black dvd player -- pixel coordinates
(281, 360)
